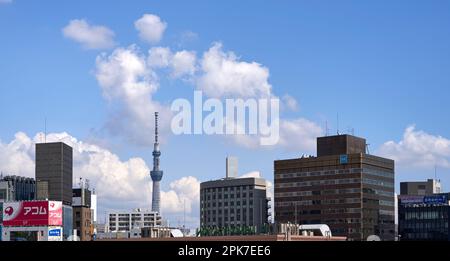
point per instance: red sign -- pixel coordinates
(32, 213)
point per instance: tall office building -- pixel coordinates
(54, 172)
(156, 174)
(234, 202)
(420, 188)
(350, 191)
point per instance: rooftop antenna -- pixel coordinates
(45, 130)
(338, 124)
(435, 172)
(351, 130)
(326, 129)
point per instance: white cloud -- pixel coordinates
(128, 83)
(181, 63)
(151, 28)
(120, 184)
(224, 75)
(418, 149)
(290, 102)
(90, 36)
(159, 57)
(5, 1)
(184, 195)
(297, 135)
(16, 157)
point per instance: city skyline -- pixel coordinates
(94, 81)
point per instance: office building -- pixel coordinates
(343, 187)
(234, 202)
(82, 222)
(137, 219)
(431, 186)
(424, 218)
(14, 188)
(54, 172)
(82, 214)
(231, 167)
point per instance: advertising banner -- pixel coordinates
(55, 216)
(32, 213)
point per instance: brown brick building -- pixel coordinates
(82, 222)
(350, 191)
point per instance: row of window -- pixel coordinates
(426, 225)
(368, 171)
(317, 183)
(318, 202)
(317, 193)
(426, 215)
(388, 184)
(225, 204)
(225, 196)
(231, 219)
(225, 189)
(225, 211)
(333, 192)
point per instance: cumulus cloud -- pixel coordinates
(16, 157)
(184, 194)
(90, 36)
(128, 84)
(419, 149)
(224, 75)
(181, 63)
(120, 184)
(151, 28)
(298, 135)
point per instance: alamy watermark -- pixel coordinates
(259, 117)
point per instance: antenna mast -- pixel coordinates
(45, 130)
(338, 124)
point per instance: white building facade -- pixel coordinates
(127, 221)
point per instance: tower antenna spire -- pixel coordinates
(156, 174)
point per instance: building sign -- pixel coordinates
(411, 200)
(55, 234)
(343, 159)
(32, 213)
(55, 215)
(437, 199)
(427, 200)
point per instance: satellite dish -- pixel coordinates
(373, 238)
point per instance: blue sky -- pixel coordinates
(382, 65)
